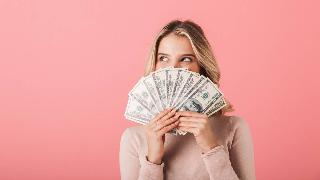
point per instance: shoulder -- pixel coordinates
(230, 123)
(133, 135)
(240, 131)
(238, 123)
(232, 129)
(133, 130)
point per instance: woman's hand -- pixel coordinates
(198, 124)
(155, 130)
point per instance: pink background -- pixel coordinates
(66, 68)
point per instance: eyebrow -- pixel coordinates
(181, 54)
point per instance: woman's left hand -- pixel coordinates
(198, 124)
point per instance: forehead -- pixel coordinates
(174, 44)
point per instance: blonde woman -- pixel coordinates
(216, 147)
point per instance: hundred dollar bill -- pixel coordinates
(136, 111)
(136, 120)
(174, 131)
(169, 82)
(159, 79)
(191, 81)
(219, 94)
(153, 91)
(188, 92)
(219, 104)
(141, 94)
(173, 87)
(202, 93)
(193, 89)
(202, 98)
(171, 78)
(180, 81)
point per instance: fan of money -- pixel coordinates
(173, 87)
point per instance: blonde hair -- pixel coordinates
(200, 46)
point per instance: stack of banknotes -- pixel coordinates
(173, 87)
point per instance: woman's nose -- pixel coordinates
(175, 64)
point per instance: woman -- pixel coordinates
(215, 147)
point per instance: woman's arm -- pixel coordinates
(242, 151)
(130, 166)
(240, 164)
(218, 164)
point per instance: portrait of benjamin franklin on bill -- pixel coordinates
(193, 105)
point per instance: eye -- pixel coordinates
(186, 59)
(163, 58)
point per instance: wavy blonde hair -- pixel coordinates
(200, 46)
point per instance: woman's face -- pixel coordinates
(176, 51)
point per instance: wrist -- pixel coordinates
(157, 161)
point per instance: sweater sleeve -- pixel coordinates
(218, 164)
(240, 164)
(131, 166)
(242, 151)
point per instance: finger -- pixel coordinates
(159, 124)
(190, 124)
(168, 128)
(168, 115)
(194, 131)
(191, 114)
(160, 115)
(166, 122)
(191, 119)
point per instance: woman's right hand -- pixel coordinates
(165, 121)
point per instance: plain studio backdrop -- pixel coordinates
(66, 68)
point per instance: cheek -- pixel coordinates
(158, 66)
(194, 67)
(161, 65)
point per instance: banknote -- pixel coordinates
(141, 94)
(153, 91)
(136, 111)
(159, 79)
(183, 77)
(172, 75)
(201, 99)
(220, 103)
(173, 87)
(191, 81)
(191, 91)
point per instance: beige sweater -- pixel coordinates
(183, 160)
